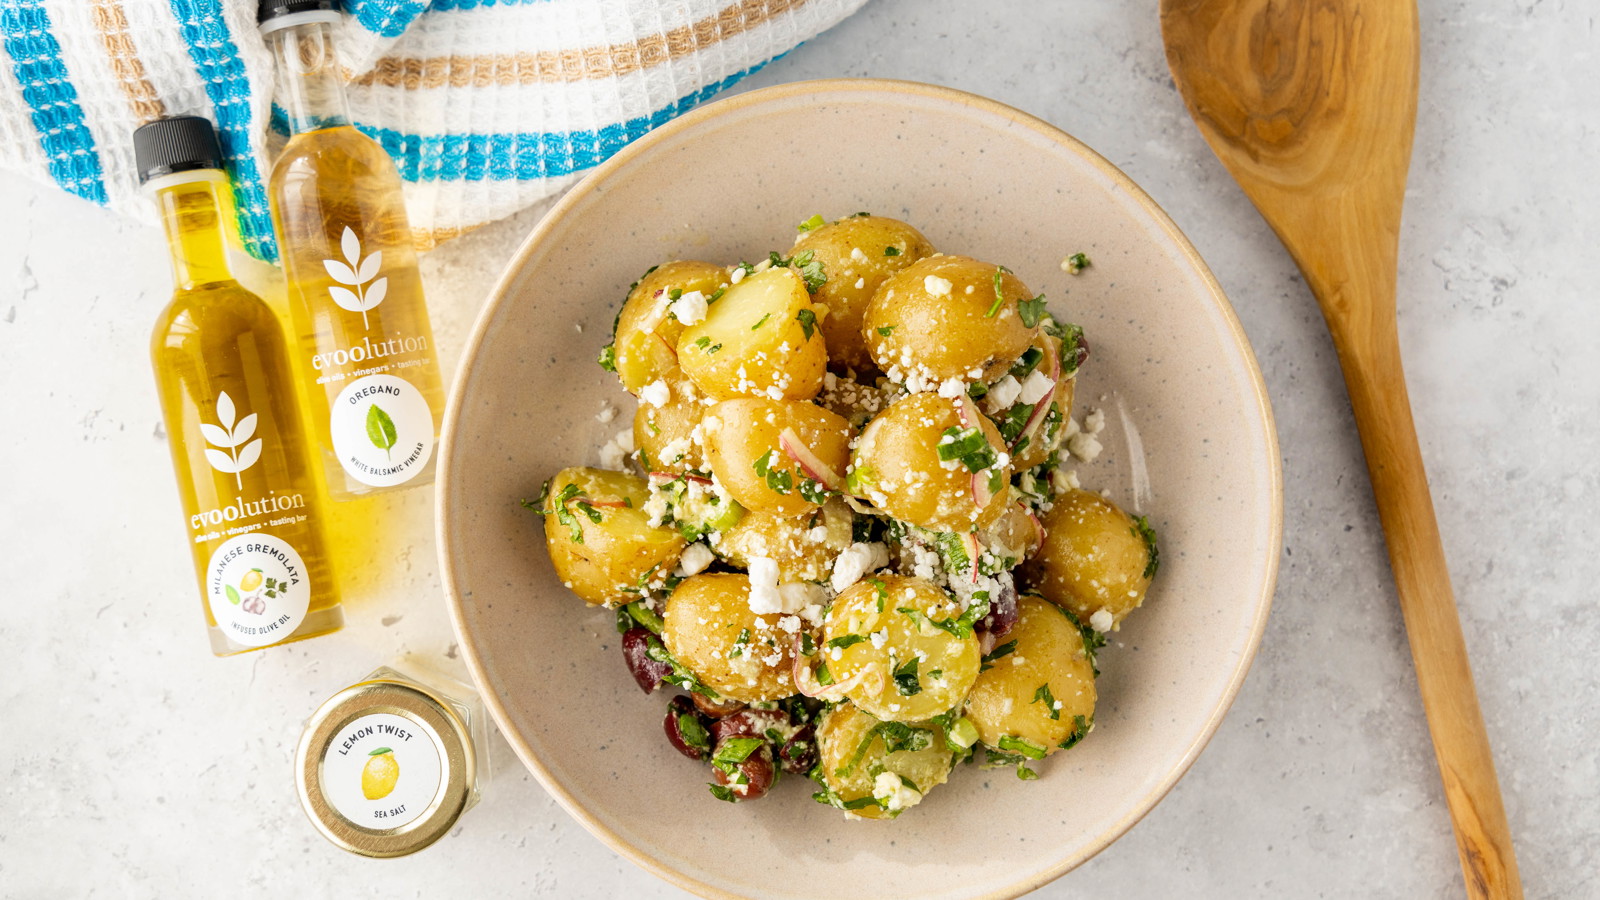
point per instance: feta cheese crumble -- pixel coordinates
(690, 308)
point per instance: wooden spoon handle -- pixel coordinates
(1373, 374)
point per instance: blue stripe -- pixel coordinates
(46, 86)
(386, 18)
(442, 5)
(217, 61)
(521, 156)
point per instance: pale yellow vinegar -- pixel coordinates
(214, 338)
(331, 184)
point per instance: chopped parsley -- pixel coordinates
(896, 736)
(1043, 695)
(1081, 727)
(886, 330)
(808, 322)
(608, 357)
(570, 496)
(959, 627)
(1076, 263)
(762, 322)
(880, 589)
(778, 480)
(740, 643)
(680, 675)
(1021, 745)
(824, 677)
(891, 251)
(644, 615)
(999, 296)
(999, 759)
(977, 390)
(693, 733)
(1141, 528)
(969, 445)
(905, 678)
(849, 640)
(806, 264)
(811, 224)
(1027, 363)
(1031, 311)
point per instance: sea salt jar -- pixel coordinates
(387, 765)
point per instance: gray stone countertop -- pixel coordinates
(135, 764)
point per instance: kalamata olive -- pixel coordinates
(749, 723)
(758, 773)
(716, 709)
(636, 652)
(799, 753)
(1002, 615)
(686, 729)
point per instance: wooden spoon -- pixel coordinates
(1311, 104)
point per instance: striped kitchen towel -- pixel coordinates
(487, 106)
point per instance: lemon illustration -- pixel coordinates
(379, 775)
(250, 581)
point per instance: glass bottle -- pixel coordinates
(251, 499)
(387, 765)
(355, 296)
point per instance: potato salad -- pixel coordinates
(845, 527)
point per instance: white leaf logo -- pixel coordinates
(355, 272)
(231, 436)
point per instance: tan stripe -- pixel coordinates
(124, 56)
(564, 66)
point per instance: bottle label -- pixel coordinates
(258, 589)
(382, 770)
(382, 430)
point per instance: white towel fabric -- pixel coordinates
(487, 106)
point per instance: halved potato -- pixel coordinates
(761, 339)
(646, 339)
(883, 636)
(864, 776)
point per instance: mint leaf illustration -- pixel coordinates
(380, 429)
(233, 595)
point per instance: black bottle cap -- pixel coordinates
(276, 9)
(175, 144)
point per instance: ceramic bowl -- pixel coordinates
(1188, 440)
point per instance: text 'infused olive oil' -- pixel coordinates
(251, 498)
(355, 295)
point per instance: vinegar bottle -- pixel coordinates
(249, 487)
(355, 295)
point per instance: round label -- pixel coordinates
(382, 771)
(382, 430)
(258, 589)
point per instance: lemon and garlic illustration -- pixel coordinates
(252, 587)
(379, 775)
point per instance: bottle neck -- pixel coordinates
(309, 84)
(192, 212)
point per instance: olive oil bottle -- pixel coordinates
(355, 296)
(251, 497)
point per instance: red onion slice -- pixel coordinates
(795, 449)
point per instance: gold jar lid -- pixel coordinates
(384, 768)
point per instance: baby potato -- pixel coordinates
(1096, 561)
(708, 627)
(759, 340)
(646, 339)
(857, 254)
(931, 322)
(885, 634)
(776, 456)
(1018, 695)
(896, 465)
(804, 546)
(867, 778)
(600, 541)
(664, 435)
